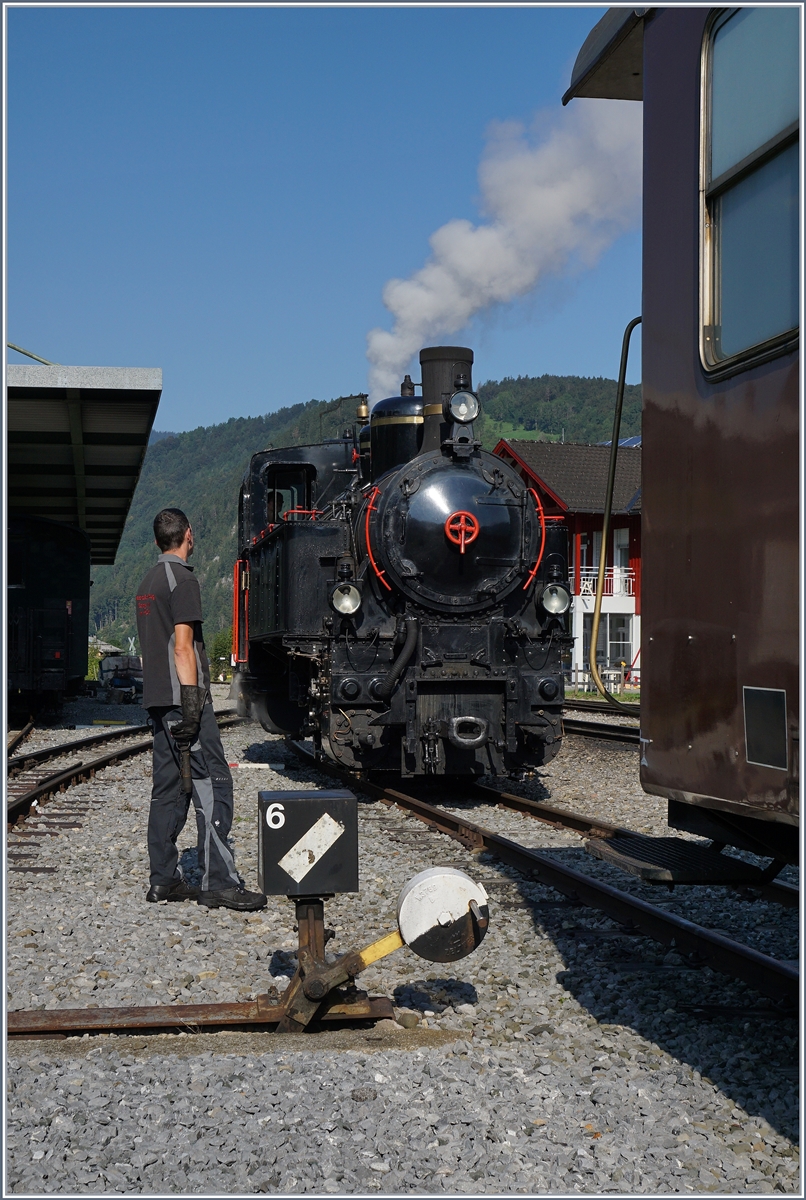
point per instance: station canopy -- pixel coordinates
(610, 65)
(77, 437)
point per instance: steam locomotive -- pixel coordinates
(400, 594)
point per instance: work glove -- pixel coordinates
(186, 731)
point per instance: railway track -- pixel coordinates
(17, 736)
(599, 706)
(594, 827)
(29, 759)
(602, 731)
(61, 748)
(778, 980)
(31, 783)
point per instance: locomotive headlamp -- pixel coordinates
(346, 598)
(463, 407)
(555, 599)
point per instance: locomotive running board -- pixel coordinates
(673, 860)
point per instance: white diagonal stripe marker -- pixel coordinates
(298, 861)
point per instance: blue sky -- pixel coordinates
(224, 192)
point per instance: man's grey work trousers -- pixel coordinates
(212, 799)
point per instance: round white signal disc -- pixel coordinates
(442, 914)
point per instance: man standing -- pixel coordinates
(176, 681)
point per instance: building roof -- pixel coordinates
(610, 65)
(576, 475)
(77, 437)
(630, 441)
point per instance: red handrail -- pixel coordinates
(313, 513)
(534, 569)
(373, 496)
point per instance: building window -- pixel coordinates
(622, 579)
(751, 182)
(621, 548)
(619, 640)
(614, 644)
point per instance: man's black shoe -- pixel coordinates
(237, 898)
(171, 891)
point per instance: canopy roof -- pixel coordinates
(77, 437)
(610, 65)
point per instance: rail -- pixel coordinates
(18, 737)
(18, 806)
(586, 826)
(19, 761)
(767, 975)
(599, 706)
(602, 731)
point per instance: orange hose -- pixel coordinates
(534, 569)
(236, 599)
(236, 622)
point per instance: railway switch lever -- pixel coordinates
(442, 916)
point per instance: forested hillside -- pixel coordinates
(201, 471)
(556, 407)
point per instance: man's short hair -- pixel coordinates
(170, 527)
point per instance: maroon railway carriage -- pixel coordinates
(721, 439)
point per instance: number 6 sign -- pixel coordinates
(307, 843)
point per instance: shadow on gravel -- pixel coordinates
(189, 866)
(719, 1027)
(274, 754)
(435, 995)
(283, 962)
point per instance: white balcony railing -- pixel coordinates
(619, 581)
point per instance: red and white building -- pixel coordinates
(571, 480)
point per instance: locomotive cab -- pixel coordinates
(286, 560)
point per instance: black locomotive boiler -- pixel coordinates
(400, 594)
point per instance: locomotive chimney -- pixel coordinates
(445, 370)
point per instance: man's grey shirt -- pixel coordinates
(169, 595)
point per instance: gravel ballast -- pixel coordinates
(559, 1058)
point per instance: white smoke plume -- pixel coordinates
(554, 200)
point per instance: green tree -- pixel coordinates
(219, 653)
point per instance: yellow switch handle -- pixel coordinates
(385, 945)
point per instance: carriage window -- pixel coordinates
(285, 492)
(751, 181)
